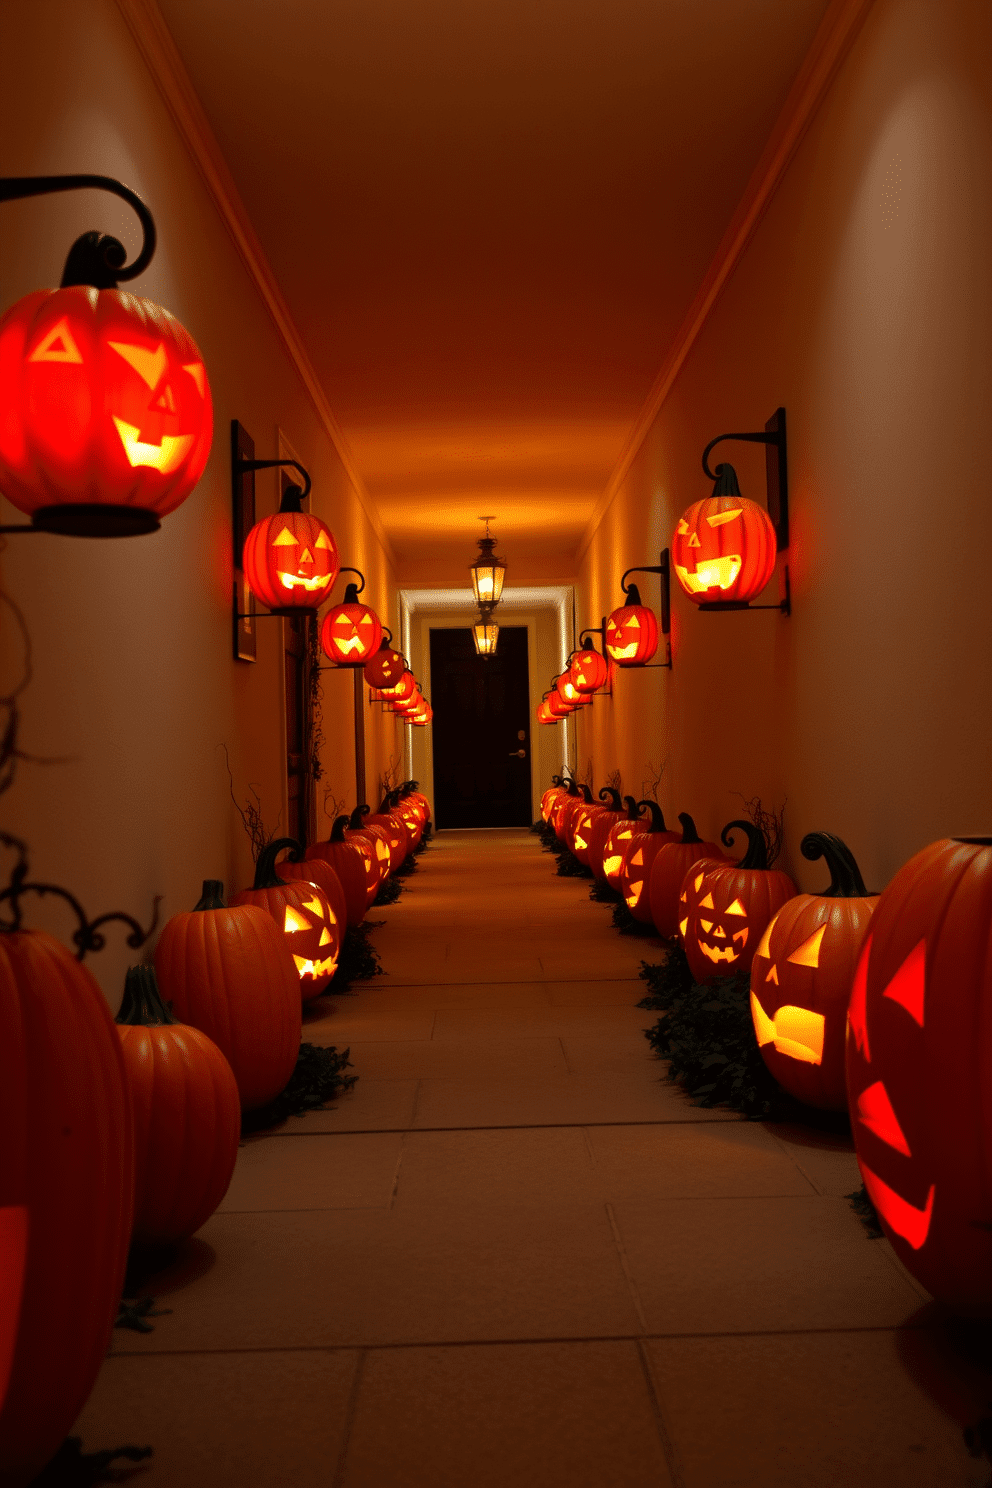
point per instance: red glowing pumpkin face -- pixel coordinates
(588, 671)
(350, 634)
(385, 668)
(104, 399)
(632, 635)
(917, 1088)
(291, 560)
(724, 550)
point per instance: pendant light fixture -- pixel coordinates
(485, 632)
(487, 572)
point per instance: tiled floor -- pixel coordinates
(514, 1258)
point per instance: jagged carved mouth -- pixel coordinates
(728, 950)
(299, 581)
(315, 968)
(712, 573)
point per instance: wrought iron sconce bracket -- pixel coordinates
(663, 568)
(777, 496)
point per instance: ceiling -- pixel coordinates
(488, 218)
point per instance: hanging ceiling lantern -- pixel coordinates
(351, 632)
(485, 634)
(589, 670)
(487, 572)
(291, 559)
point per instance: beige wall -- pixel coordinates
(863, 305)
(135, 689)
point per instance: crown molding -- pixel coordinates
(154, 41)
(834, 38)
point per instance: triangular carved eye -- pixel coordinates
(284, 539)
(721, 518)
(908, 985)
(876, 1113)
(707, 902)
(737, 908)
(764, 945)
(808, 954)
(323, 541)
(699, 879)
(694, 541)
(294, 921)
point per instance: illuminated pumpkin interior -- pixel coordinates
(908, 985)
(796, 1032)
(876, 1113)
(912, 1224)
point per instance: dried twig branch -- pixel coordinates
(649, 787)
(614, 779)
(771, 824)
(251, 814)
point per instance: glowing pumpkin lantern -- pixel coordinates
(725, 908)
(107, 419)
(544, 714)
(917, 1057)
(557, 706)
(801, 978)
(386, 667)
(570, 694)
(355, 867)
(303, 913)
(291, 559)
(632, 632)
(551, 795)
(600, 827)
(397, 837)
(638, 857)
(570, 809)
(617, 839)
(588, 670)
(374, 835)
(351, 632)
(668, 872)
(724, 549)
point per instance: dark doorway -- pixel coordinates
(481, 730)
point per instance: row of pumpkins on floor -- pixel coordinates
(874, 1004)
(114, 1135)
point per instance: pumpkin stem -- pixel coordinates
(212, 896)
(657, 817)
(573, 787)
(611, 794)
(556, 780)
(337, 831)
(142, 1004)
(725, 483)
(351, 594)
(845, 875)
(292, 499)
(355, 820)
(689, 833)
(586, 794)
(633, 810)
(633, 596)
(757, 849)
(265, 869)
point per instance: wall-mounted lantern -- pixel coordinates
(290, 559)
(588, 669)
(488, 571)
(725, 547)
(632, 632)
(107, 418)
(570, 694)
(384, 669)
(351, 633)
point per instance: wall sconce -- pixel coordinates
(588, 669)
(485, 632)
(725, 547)
(570, 694)
(386, 667)
(632, 632)
(105, 397)
(487, 572)
(351, 632)
(543, 711)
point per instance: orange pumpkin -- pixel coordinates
(617, 839)
(317, 871)
(394, 827)
(724, 549)
(66, 1194)
(354, 864)
(725, 908)
(638, 856)
(386, 667)
(187, 1115)
(375, 837)
(351, 633)
(303, 913)
(632, 632)
(106, 404)
(551, 795)
(668, 872)
(801, 978)
(600, 827)
(291, 559)
(588, 670)
(229, 972)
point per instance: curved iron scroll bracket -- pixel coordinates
(240, 466)
(96, 259)
(663, 569)
(88, 937)
(776, 471)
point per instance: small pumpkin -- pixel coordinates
(589, 670)
(303, 913)
(229, 972)
(570, 813)
(395, 829)
(375, 837)
(617, 839)
(669, 870)
(725, 908)
(802, 974)
(291, 559)
(600, 827)
(385, 668)
(638, 856)
(354, 864)
(632, 632)
(187, 1115)
(66, 1194)
(351, 633)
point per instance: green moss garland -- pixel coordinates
(359, 960)
(317, 1078)
(605, 893)
(389, 891)
(409, 865)
(71, 1467)
(625, 923)
(866, 1212)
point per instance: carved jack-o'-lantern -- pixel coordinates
(724, 550)
(601, 823)
(386, 667)
(632, 632)
(105, 404)
(557, 706)
(801, 978)
(917, 1058)
(570, 694)
(551, 795)
(304, 914)
(668, 873)
(351, 633)
(571, 808)
(617, 838)
(544, 715)
(291, 559)
(725, 908)
(638, 856)
(588, 670)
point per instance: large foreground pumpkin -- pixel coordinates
(919, 1069)
(230, 973)
(66, 1194)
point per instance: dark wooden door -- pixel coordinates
(481, 730)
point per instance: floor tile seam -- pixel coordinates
(656, 1336)
(515, 982)
(383, 1131)
(351, 1412)
(666, 1436)
(628, 1275)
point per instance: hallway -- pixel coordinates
(513, 1255)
